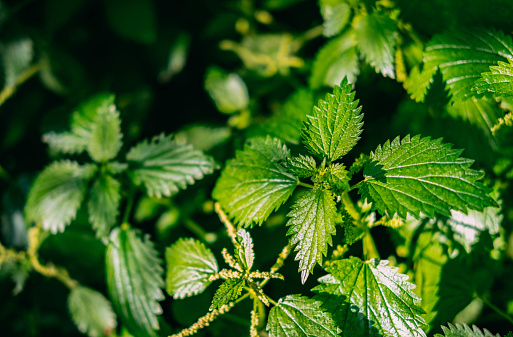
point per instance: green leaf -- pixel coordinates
(166, 165)
(429, 257)
(57, 194)
(190, 264)
(134, 281)
(462, 56)
(498, 81)
(334, 61)
(418, 83)
(286, 123)
(336, 124)
(104, 198)
(254, 183)
(16, 58)
(106, 135)
(83, 119)
(468, 227)
(312, 223)
(300, 316)
(483, 113)
(204, 137)
(463, 330)
(377, 36)
(65, 142)
(91, 312)
(229, 291)
(336, 16)
(378, 292)
(228, 91)
(245, 252)
(338, 176)
(416, 175)
(301, 166)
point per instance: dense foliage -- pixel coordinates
(256, 167)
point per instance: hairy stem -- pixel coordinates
(8, 91)
(230, 228)
(199, 231)
(128, 208)
(48, 270)
(300, 183)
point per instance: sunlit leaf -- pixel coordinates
(254, 183)
(335, 125)
(189, 266)
(417, 174)
(91, 312)
(229, 291)
(378, 292)
(312, 223)
(300, 316)
(57, 194)
(165, 165)
(134, 281)
(377, 35)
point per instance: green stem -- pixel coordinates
(199, 231)
(8, 91)
(355, 186)
(128, 208)
(494, 308)
(369, 247)
(300, 183)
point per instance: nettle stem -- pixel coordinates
(8, 91)
(300, 183)
(48, 270)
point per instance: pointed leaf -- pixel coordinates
(65, 142)
(245, 252)
(498, 81)
(57, 194)
(189, 266)
(379, 292)
(301, 166)
(134, 281)
(463, 56)
(166, 165)
(338, 176)
(254, 183)
(377, 36)
(103, 204)
(463, 330)
(336, 60)
(106, 135)
(228, 91)
(418, 83)
(83, 119)
(91, 312)
(416, 175)
(336, 16)
(336, 124)
(16, 58)
(312, 223)
(229, 291)
(300, 316)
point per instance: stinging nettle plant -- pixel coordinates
(447, 236)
